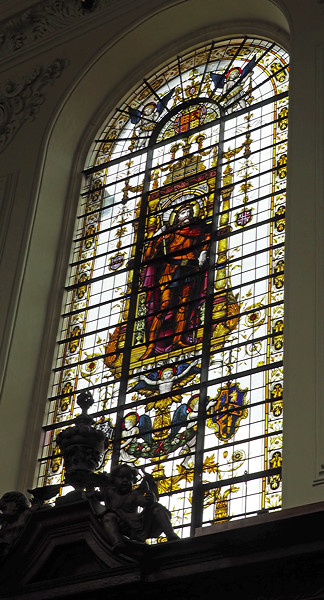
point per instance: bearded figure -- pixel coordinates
(175, 279)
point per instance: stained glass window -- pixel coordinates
(173, 311)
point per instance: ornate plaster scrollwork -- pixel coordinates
(20, 100)
(44, 20)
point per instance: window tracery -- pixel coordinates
(173, 312)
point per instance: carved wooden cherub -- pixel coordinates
(122, 517)
(15, 511)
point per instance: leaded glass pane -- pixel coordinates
(173, 312)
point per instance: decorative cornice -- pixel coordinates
(43, 21)
(20, 100)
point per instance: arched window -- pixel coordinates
(173, 312)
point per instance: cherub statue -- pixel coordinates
(122, 520)
(15, 511)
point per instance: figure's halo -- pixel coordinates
(195, 207)
(234, 71)
(179, 202)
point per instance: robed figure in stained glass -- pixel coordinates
(174, 278)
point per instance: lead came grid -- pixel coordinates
(202, 413)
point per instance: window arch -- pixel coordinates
(173, 312)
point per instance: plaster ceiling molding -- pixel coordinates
(43, 21)
(8, 8)
(20, 100)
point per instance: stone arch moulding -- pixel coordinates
(109, 77)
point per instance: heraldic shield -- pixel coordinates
(226, 411)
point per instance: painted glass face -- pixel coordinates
(173, 312)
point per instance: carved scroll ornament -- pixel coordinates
(20, 100)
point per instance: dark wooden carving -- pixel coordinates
(64, 553)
